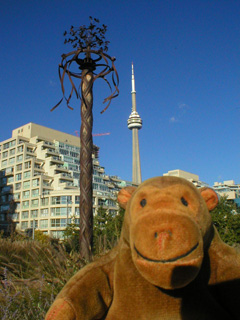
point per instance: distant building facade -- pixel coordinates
(228, 189)
(188, 176)
(40, 171)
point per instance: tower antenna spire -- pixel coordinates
(134, 124)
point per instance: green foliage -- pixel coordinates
(41, 237)
(106, 232)
(71, 237)
(226, 218)
(106, 229)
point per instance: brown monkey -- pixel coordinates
(169, 264)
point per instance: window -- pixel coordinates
(4, 163)
(3, 198)
(25, 214)
(35, 182)
(44, 201)
(19, 167)
(59, 211)
(62, 200)
(9, 144)
(5, 154)
(12, 152)
(12, 143)
(6, 146)
(26, 184)
(7, 189)
(44, 212)
(16, 196)
(18, 176)
(10, 179)
(101, 202)
(58, 222)
(25, 204)
(77, 199)
(43, 224)
(26, 174)
(19, 158)
(34, 213)
(18, 186)
(11, 160)
(15, 216)
(57, 234)
(20, 149)
(9, 170)
(45, 192)
(77, 211)
(24, 225)
(35, 224)
(35, 192)
(28, 165)
(112, 203)
(34, 203)
(5, 207)
(26, 194)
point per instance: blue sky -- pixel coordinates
(186, 58)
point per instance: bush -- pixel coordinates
(226, 218)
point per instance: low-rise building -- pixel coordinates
(188, 176)
(228, 189)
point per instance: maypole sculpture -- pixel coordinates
(93, 62)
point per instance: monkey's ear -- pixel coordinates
(210, 197)
(124, 196)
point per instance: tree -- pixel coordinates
(90, 47)
(107, 229)
(226, 218)
(71, 237)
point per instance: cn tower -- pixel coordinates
(134, 124)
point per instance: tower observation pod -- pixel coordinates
(134, 124)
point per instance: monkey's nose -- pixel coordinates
(162, 238)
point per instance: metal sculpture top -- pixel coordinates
(89, 55)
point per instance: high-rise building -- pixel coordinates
(134, 124)
(40, 170)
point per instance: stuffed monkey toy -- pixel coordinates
(170, 263)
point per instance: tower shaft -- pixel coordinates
(134, 124)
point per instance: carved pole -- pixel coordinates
(87, 41)
(86, 212)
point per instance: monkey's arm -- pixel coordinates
(87, 295)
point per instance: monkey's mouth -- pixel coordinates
(169, 260)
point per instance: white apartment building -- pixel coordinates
(40, 171)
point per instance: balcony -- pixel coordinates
(60, 168)
(64, 176)
(55, 159)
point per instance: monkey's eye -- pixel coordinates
(184, 202)
(143, 202)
